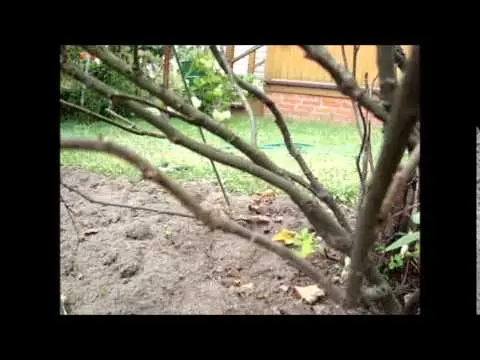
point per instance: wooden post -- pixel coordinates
(251, 62)
(166, 65)
(230, 52)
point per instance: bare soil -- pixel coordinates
(126, 261)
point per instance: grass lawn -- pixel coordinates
(331, 155)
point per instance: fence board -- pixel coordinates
(288, 62)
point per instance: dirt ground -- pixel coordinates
(126, 261)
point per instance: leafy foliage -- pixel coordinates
(71, 90)
(207, 81)
(304, 241)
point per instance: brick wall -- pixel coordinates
(313, 107)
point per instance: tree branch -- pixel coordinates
(200, 130)
(315, 187)
(386, 74)
(214, 219)
(105, 203)
(345, 81)
(70, 215)
(404, 115)
(133, 129)
(399, 181)
(198, 118)
(399, 57)
(224, 64)
(333, 234)
(194, 116)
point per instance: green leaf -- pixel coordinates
(404, 240)
(416, 218)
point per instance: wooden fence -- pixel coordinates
(288, 62)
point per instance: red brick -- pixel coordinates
(302, 107)
(311, 101)
(331, 101)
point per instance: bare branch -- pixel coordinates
(105, 203)
(200, 119)
(399, 57)
(194, 116)
(69, 212)
(120, 117)
(202, 135)
(224, 64)
(149, 103)
(326, 226)
(133, 129)
(386, 73)
(214, 219)
(315, 186)
(399, 181)
(404, 115)
(345, 81)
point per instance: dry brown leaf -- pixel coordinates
(310, 293)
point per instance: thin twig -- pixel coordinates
(70, 214)
(345, 81)
(133, 130)
(106, 203)
(122, 118)
(202, 135)
(79, 238)
(114, 97)
(315, 186)
(222, 61)
(404, 115)
(348, 86)
(200, 119)
(214, 219)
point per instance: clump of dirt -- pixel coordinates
(125, 261)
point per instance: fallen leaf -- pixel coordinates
(284, 288)
(267, 193)
(285, 236)
(310, 293)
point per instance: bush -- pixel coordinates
(207, 81)
(71, 90)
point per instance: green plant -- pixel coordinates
(396, 261)
(305, 242)
(208, 82)
(71, 90)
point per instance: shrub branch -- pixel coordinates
(214, 219)
(403, 119)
